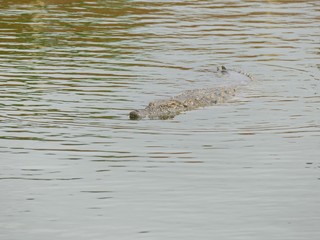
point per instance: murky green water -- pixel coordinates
(74, 167)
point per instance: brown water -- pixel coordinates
(74, 167)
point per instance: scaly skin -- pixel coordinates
(193, 99)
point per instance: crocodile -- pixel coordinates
(197, 98)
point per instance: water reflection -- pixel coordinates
(74, 166)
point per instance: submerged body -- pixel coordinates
(193, 99)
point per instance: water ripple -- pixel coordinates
(70, 71)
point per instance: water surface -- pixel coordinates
(73, 166)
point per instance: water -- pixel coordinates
(74, 167)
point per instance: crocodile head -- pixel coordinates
(136, 114)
